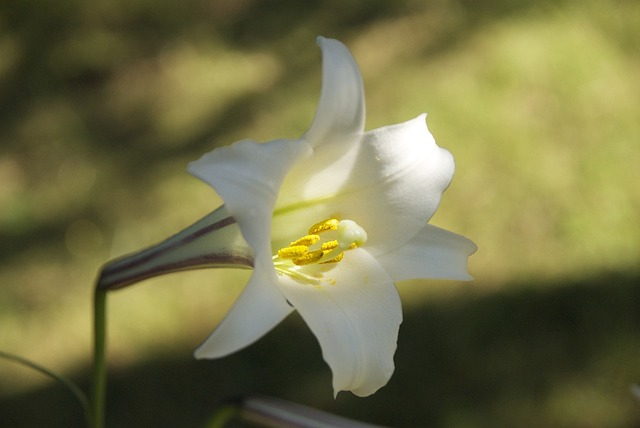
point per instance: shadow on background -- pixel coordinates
(559, 355)
(532, 355)
(65, 55)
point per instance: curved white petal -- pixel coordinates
(355, 315)
(259, 308)
(247, 175)
(341, 110)
(433, 253)
(396, 178)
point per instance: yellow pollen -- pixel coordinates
(324, 226)
(313, 249)
(336, 259)
(307, 240)
(328, 246)
(293, 252)
(308, 258)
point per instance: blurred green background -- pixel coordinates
(103, 103)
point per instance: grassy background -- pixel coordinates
(103, 103)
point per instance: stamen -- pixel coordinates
(324, 226)
(328, 246)
(308, 258)
(336, 259)
(293, 252)
(310, 249)
(307, 240)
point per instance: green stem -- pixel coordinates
(99, 365)
(70, 385)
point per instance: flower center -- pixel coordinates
(309, 256)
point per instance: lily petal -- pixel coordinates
(396, 178)
(259, 308)
(341, 109)
(355, 317)
(247, 175)
(433, 253)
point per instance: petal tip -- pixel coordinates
(321, 41)
(198, 354)
(209, 351)
(341, 112)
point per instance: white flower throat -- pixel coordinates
(325, 244)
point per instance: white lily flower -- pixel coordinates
(332, 220)
(328, 222)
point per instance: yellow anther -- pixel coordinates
(316, 248)
(308, 258)
(307, 240)
(336, 259)
(324, 226)
(293, 252)
(328, 246)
